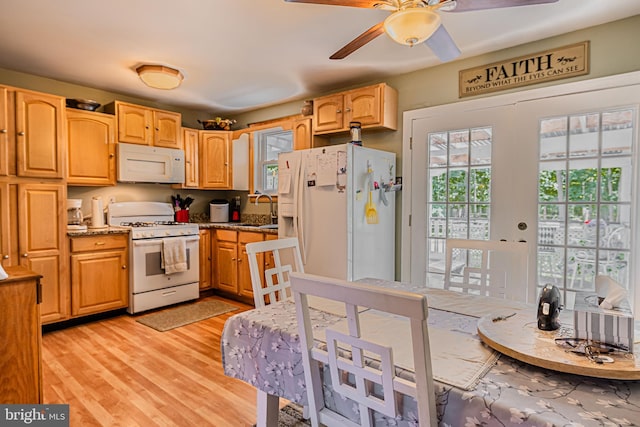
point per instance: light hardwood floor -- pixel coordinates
(118, 372)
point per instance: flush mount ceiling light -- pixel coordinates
(412, 25)
(159, 76)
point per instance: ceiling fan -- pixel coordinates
(416, 21)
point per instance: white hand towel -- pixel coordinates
(174, 255)
(3, 274)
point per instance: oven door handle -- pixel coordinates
(152, 242)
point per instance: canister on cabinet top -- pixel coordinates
(356, 128)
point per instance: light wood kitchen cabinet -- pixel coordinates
(5, 154)
(302, 133)
(232, 273)
(147, 126)
(190, 139)
(91, 148)
(205, 260)
(31, 134)
(32, 234)
(375, 107)
(21, 337)
(214, 154)
(99, 273)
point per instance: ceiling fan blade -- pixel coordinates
(351, 3)
(469, 5)
(359, 41)
(443, 45)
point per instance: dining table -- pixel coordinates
(475, 384)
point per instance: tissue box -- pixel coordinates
(599, 324)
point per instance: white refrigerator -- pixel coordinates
(339, 201)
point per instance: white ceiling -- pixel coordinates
(239, 55)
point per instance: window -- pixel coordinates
(268, 144)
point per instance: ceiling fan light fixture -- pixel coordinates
(159, 76)
(411, 26)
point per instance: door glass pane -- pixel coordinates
(553, 138)
(584, 135)
(459, 191)
(617, 132)
(584, 221)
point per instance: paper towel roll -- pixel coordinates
(97, 213)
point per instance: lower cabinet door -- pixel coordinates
(99, 282)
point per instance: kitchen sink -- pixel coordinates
(263, 226)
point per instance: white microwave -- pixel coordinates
(143, 163)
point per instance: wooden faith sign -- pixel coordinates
(554, 64)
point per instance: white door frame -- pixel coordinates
(616, 81)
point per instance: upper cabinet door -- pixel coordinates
(190, 141)
(4, 131)
(215, 159)
(166, 129)
(327, 113)
(39, 135)
(364, 105)
(134, 124)
(91, 148)
(302, 138)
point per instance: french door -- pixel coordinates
(561, 170)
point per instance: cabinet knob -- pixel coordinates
(124, 267)
(338, 111)
(111, 156)
(5, 257)
(3, 131)
(233, 259)
(188, 162)
(25, 255)
(21, 133)
(347, 110)
(157, 129)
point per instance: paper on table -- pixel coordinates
(330, 306)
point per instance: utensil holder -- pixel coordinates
(182, 215)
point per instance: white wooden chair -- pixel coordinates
(285, 257)
(488, 267)
(372, 389)
(272, 284)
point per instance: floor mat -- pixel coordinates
(185, 314)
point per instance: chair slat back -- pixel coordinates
(272, 284)
(488, 267)
(372, 386)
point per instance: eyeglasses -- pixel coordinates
(593, 350)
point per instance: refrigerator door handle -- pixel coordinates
(298, 224)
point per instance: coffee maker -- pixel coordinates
(235, 210)
(74, 215)
(549, 306)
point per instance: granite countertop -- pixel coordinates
(218, 225)
(237, 226)
(98, 231)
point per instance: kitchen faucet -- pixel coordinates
(274, 216)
